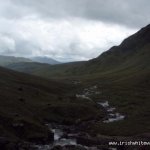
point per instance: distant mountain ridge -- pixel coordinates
(6, 60)
(132, 54)
(44, 59)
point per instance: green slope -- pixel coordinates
(121, 73)
(30, 100)
(6, 60)
(46, 60)
(131, 55)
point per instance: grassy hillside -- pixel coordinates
(27, 102)
(48, 71)
(6, 60)
(132, 54)
(122, 75)
(46, 60)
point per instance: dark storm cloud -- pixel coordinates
(133, 13)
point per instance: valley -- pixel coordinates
(79, 105)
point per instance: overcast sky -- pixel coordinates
(68, 30)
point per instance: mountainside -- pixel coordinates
(136, 46)
(132, 55)
(28, 67)
(46, 60)
(119, 77)
(27, 102)
(6, 60)
(46, 70)
(22, 98)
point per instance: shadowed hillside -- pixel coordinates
(6, 60)
(130, 57)
(121, 73)
(46, 60)
(119, 77)
(28, 102)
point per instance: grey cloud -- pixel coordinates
(62, 28)
(133, 13)
(10, 45)
(7, 44)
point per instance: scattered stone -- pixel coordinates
(3, 143)
(114, 117)
(111, 109)
(21, 100)
(16, 115)
(20, 89)
(104, 104)
(58, 147)
(74, 147)
(60, 98)
(111, 117)
(82, 96)
(16, 125)
(88, 141)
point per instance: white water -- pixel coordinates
(104, 104)
(112, 116)
(57, 134)
(58, 140)
(83, 96)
